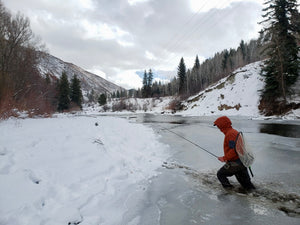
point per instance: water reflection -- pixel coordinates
(283, 128)
(149, 118)
(286, 130)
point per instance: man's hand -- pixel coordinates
(221, 159)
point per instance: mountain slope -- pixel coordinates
(237, 94)
(54, 67)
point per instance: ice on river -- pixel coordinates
(188, 191)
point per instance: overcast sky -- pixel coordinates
(119, 39)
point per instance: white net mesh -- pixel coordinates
(243, 150)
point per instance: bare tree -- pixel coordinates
(20, 82)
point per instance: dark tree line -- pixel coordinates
(148, 90)
(120, 94)
(221, 65)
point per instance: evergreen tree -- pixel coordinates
(295, 22)
(156, 89)
(232, 53)
(123, 94)
(63, 93)
(195, 77)
(145, 85)
(76, 93)
(243, 49)
(149, 83)
(102, 99)
(281, 69)
(181, 73)
(217, 67)
(225, 59)
(139, 93)
(197, 63)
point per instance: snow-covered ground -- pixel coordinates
(74, 169)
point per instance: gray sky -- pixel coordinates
(118, 38)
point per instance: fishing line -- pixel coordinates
(164, 128)
(191, 142)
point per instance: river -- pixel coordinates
(186, 190)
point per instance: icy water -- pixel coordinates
(186, 191)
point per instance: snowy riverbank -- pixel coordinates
(67, 170)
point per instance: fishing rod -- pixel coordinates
(190, 142)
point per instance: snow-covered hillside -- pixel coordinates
(89, 81)
(235, 95)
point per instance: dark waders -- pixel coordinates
(239, 170)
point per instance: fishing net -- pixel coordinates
(243, 150)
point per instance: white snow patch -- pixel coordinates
(67, 170)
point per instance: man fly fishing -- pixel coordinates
(233, 164)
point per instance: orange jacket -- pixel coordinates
(224, 124)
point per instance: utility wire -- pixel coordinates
(183, 27)
(187, 30)
(206, 19)
(179, 38)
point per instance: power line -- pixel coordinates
(181, 36)
(184, 26)
(196, 28)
